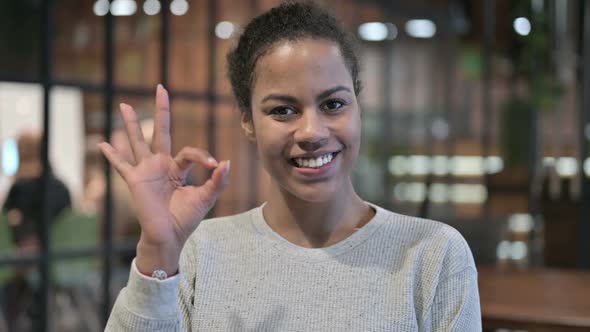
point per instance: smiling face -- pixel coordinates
(305, 119)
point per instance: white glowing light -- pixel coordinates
(468, 193)
(373, 31)
(566, 166)
(398, 165)
(123, 7)
(522, 26)
(10, 157)
(416, 192)
(467, 165)
(519, 250)
(439, 193)
(494, 164)
(409, 192)
(419, 165)
(440, 165)
(503, 250)
(101, 7)
(151, 7)
(520, 223)
(179, 7)
(421, 28)
(548, 161)
(224, 29)
(587, 166)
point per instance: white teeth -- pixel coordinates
(314, 162)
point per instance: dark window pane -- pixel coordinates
(79, 42)
(75, 298)
(19, 298)
(189, 51)
(20, 39)
(137, 47)
(238, 15)
(232, 144)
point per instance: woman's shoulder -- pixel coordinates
(415, 227)
(431, 239)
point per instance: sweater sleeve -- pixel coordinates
(148, 304)
(455, 306)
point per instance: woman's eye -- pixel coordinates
(282, 111)
(333, 105)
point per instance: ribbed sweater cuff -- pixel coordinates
(150, 297)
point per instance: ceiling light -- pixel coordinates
(373, 31)
(421, 28)
(101, 7)
(179, 7)
(123, 7)
(522, 26)
(151, 7)
(224, 29)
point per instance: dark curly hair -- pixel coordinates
(292, 21)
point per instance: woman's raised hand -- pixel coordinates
(168, 210)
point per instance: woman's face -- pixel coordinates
(305, 118)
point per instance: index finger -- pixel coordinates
(161, 140)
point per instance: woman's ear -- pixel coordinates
(248, 126)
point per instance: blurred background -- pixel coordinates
(475, 113)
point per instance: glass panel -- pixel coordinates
(76, 295)
(137, 45)
(19, 33)
(189, 50)
(21, 141)
(233, 145)
(79, 42)
(189, 124)
(19, 298)
(235, 16)
(20, 130)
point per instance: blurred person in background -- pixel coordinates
(23, 202)
(23, 208)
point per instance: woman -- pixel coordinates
(315, 256)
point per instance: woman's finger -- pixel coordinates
(218, 180)
(161, 142)
(134, 133)
(114, 157)
(189, 155)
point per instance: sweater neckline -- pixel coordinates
(318, 254)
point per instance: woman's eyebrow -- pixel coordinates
(330, 91)
(283, 98)
(291, 99)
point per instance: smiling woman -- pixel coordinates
(315, 256)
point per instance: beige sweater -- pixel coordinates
(397, 273)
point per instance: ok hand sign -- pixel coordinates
(168, 209)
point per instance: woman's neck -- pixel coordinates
(316, 224)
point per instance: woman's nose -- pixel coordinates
(312, 132)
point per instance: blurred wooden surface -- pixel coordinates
(535, 300)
